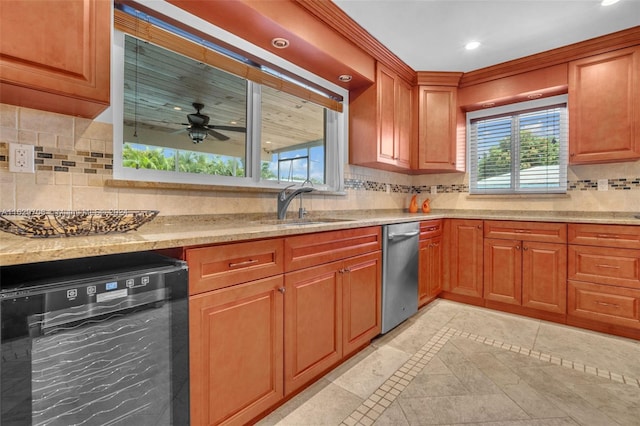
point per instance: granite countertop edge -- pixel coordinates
(184, 231)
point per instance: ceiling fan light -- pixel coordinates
(197, 135)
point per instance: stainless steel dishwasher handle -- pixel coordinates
(404, 234)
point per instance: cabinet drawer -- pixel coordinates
(621, 236)
(303, 251)
(211, 268)
(430, 228)
(604, 265)
(526, 231)
(603, 303)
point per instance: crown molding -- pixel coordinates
(335, 18)
(595, 46)
(438, 78)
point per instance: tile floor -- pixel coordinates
(454, 364)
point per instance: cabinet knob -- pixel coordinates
(282, 290)
(517, 247)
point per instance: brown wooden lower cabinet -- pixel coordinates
(255, 343)
(526, 273)
(430, 272)
(361, 301)
(331, 310)
(463, 260)
(313, 329)
(236, 340)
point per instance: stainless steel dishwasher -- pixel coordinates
(399, 273)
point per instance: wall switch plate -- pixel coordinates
(434, 189)
(21, 158)
(603, 184)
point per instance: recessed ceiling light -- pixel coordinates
(608, 2)
(280, 43)
(177, 108)
(345, 78)
(472, 45)
(233, 122)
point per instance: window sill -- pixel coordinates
(135, 184)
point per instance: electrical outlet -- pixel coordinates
(434, 189)
(21, 158)
(603, 184)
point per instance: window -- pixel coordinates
(189, 111)
(520, 148)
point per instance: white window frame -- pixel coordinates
(336, 128)
(521, 107)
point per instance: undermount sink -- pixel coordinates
(301, 222)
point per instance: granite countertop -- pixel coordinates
(183, 231)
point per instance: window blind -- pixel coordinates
(520, 148)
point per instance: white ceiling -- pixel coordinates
(429, 35)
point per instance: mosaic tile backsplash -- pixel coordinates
(577, 185)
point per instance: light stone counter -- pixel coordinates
(183, 231)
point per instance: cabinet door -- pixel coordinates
(386, 81)
(435, 267)
(463, 257)
(544, 276)
(361, 299)
(503, 271)
(313, 327)
(236, 341)
(604, 107)
(437, 128)
(55, 56)
(402, 147)
(430, 272)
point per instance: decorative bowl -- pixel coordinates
(72, 223)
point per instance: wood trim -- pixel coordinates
(583, 49)
(438, 78)
(335, 18)
(527, 312)
(146, 31)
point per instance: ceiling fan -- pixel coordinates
(199, 126)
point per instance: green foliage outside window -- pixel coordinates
(534, 151)
(188, 161)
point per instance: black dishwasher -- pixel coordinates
(95, 341)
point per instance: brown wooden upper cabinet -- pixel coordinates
(436, 117)
(604, 107)
(55, 56)
(380, 123)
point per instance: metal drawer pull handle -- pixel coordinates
(244, 263)
(433, 228)
(405, 234)
(522, 231)
(607, 304)
(609, 266)
(606, 236)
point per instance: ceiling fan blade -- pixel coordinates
(228, 128)
(218, 135)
